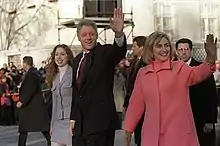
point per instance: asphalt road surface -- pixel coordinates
(9, 137)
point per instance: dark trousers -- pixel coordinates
(120, 119)
(205, 139)
(105, 138)
(23, 138)
(137, 132)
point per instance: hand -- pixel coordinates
(117, 22)
(50, 130)
(211, 49)
(208, 127)
(127, 138)
(72, 123)
(127, 63)
(19, 104)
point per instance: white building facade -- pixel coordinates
(178, 18)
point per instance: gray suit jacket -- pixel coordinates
(62, 96)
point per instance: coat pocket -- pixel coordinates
(66, 93)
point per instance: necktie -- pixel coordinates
(81, 70)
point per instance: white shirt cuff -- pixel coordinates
(120, 41)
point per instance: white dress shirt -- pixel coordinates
(189, 61)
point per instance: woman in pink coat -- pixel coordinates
(161, 92)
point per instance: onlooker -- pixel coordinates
(203, 97)
(33, 115)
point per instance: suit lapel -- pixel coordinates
(131, 68)
(65, 76)
(56, 81)
(192, 62)
(25, 77)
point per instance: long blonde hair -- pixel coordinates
(153, 40)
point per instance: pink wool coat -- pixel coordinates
(161, 91)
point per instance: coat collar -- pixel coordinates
(31, 70)
(156, 66)
(193, 62)
(66, 75)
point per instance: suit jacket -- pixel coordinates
(62, 96)
(33, 115)
(132, 73)
(203, 97)
(93, 107)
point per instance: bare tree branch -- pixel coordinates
(12, 29)
(3, 9)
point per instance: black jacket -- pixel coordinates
(203, 97)
(93, 107)
(33, 115)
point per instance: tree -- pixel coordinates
(20, 22)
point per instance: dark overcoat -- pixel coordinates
(33, 115)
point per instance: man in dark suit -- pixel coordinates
(33, 116)
(136, 64)
(203, 97)
(93, 115)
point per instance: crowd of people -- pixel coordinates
(10, 81)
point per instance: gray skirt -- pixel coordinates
(60, 132)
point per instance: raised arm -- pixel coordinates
(197, 74)
(116, 52)
(203, 71)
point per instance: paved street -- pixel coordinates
(9, 134)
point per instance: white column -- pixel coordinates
(142, 15)
(70, 8)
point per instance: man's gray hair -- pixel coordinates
(86, 22)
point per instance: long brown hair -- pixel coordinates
(152, 41)
(52, 68)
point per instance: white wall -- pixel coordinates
(3, 59)
(187, 22)
(143, 15)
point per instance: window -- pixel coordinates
(99, 8)
(209, 19)
(16, 59)
(163, 18)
